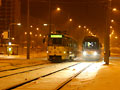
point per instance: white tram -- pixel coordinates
(91, 48)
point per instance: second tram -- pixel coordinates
(91, 48)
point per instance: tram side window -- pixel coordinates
(55, 41)
(65, 42)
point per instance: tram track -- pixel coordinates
(7, 64)
(52, 73)
(28, 78)
(21, 67)
(4, 66)
(72, 77)
(6, 74)
(41, 77)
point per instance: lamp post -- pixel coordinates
(9, 42)
(28, 33)
(107, 37)
(10, 27)
(50, 17)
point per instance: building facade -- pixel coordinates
(10, 12)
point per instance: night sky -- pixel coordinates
(91, 13)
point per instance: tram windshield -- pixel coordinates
(90, 45)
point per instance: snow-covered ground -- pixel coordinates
(102, 77)
(98, 77)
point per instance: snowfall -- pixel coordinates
(101, 77)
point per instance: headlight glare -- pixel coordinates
(64, 52)
(95, 53)
(84, 53)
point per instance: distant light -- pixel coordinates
(84, 27)
(79, 26)
(84, 53)
(95, 53)
(36, 35)
(112, 32)
(31, 26)
(10, 48)
(13, 38)
(32, 41)
(25, 33)
(70, 20)
(9, 43)
(37, 28)
(19, 24)
(110, 35)
(87, 29)
(112, 20)
(58, 9)
(64, 52)
(30, 33)
(40, 35)
(116, 37)
(111, 27)
(114, 9)
(45, 24)
(51, 32)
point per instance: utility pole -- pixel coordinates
(28, 32)
(50, 17)
(107, 33)
(0, 2)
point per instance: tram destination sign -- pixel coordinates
(56, 36)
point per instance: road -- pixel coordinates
(41, 75)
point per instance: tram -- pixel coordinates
(91, 48)
(61, 47)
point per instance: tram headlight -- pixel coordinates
(84, 53)
(95, 53)
(47, 52)
(64, 52)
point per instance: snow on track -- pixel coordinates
(17, 79)
(56, 80)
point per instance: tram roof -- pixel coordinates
(61, 35)
(90, 38)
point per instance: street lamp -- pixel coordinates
(116, 37)
(111, 27)
(112, 20)
(19, 24)
(58, 9)
(84, 27)
(70, 20)
(37, 29)
(45, 24)
(10, 26)
(114, 9)
(79, 26)
(87, 29)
